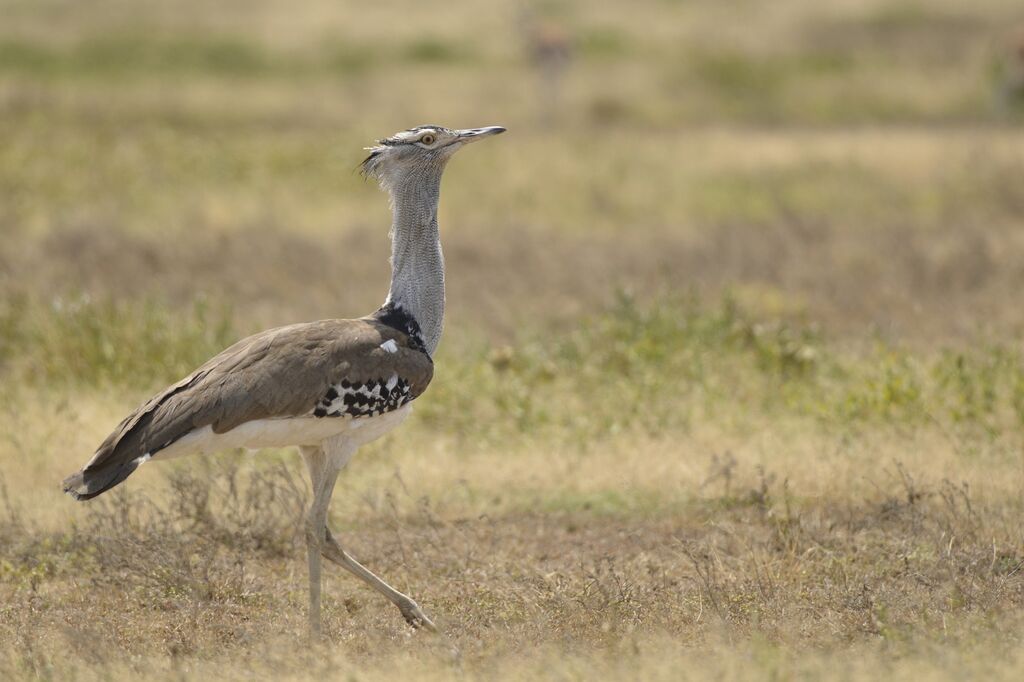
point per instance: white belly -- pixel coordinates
(279, 433)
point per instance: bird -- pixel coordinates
(327, 387)
(1010, 85)
(549, 46)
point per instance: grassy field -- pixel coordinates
(732, 384)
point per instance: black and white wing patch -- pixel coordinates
(363, 399)
(381, 373)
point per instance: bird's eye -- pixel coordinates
(427, 139)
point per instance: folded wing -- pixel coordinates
(331, 368)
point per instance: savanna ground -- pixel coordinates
(732, 384)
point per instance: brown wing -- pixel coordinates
(286, 372)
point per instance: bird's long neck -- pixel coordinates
(417, 264)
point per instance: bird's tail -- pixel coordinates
(88, 483)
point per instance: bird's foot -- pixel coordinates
(415, 617)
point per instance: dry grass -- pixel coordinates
(794, 221)
(206, 579)
(775, 528)
(731, 388)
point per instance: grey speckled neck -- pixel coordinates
(417, 264)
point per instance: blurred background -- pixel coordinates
(733, 348)
(856, 160)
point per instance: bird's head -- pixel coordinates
(421, 152)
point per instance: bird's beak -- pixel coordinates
(474, 134)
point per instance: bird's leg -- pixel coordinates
(323, 479)
(411, 611)
(324, 463)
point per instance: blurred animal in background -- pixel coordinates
(549, 47)
(1010, 74)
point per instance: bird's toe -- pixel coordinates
(415, 617)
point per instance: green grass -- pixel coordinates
(891, 62)
(114, 56)
(71, 342)
(647, 367)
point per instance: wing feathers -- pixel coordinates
(278, 373)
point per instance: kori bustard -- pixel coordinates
(328, 386)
